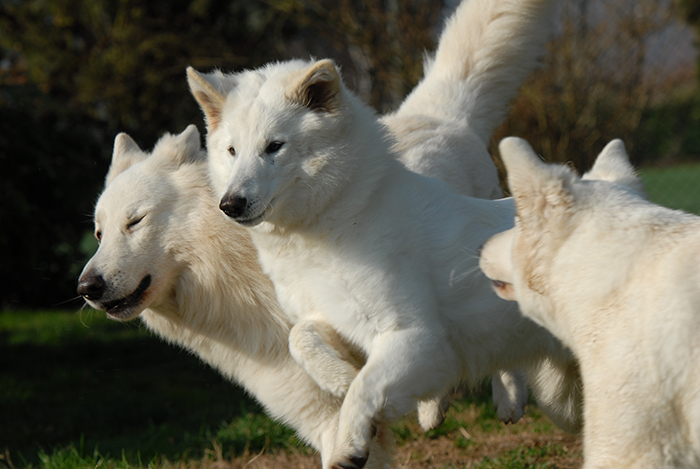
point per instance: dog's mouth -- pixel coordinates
(122, 309)
(257, 219)
(503, 289)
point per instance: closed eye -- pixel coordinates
(132, 223)
(273, 147)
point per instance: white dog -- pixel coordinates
(617, 279)
(352, 239)
(169, 257)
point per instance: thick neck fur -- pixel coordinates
(220, 292)
(223, 308)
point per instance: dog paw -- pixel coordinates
(431, 414)
(352, 462)
(508, 415)
(509, 395)
(354, 455)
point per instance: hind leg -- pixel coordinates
(432, 412)
(557, 388)
(509, 390)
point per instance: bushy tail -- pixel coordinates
(486, 51)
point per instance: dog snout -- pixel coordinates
(91, 287)
(233, 206)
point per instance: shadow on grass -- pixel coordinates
(114, 387)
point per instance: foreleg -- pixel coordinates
(403, 367)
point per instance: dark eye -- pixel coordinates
(134, 222)
(232, 151)
(98, 235)
(273, 147)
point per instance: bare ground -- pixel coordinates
(468, 439)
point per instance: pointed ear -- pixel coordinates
(189, 145)
(319, 88)
(126, 152)
(205, 89)
(613, 165)
(174, 150)
(539, 189)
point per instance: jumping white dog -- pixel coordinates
(617, 279)
(354, 240)
(168, 256)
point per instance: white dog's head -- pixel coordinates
(132, 267)
(560, 216)
(271, 135)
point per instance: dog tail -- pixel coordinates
(485, 52)
(489, 47)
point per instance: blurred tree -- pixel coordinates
(691, 12)
(47, 163)
(123, 61)
(596, 82)
(73, 73)
(380, 43)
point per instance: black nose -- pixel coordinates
(91, 287)
(233, 206)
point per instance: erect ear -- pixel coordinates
(181, 148)
(206, 89)
(613, 165)
(541, 191)
(189, 145)
(126, 152)
(319, 88)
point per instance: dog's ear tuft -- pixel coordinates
(126, 153)
(539, 189)
(613, 165)
(318, 89)
(209, 98)
(189, 145)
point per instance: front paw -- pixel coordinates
(352, 462)
(353, 455)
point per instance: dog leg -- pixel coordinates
(557, 388)
(397, 371)
(431, 413)
(509, 390)
(318, 349)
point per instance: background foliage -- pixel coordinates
(74, 73)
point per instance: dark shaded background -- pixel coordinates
(74, 73)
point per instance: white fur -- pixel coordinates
(352, 238)
(208, 293)
(616, 278)
(486, 51)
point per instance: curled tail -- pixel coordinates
(485, 52)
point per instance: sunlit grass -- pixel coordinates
(81, 391)
(676, 187)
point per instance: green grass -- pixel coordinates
(675, 186)
(79, 391)
(75, 385)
